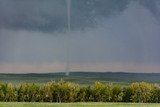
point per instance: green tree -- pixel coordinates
(102, 92)
(28, 92)
(81, 95)
(89, 94)
(155, 97)
(46, 93)
(67, 91)
(127, 93)
(7, 92)
(141, 92)
(117, 93)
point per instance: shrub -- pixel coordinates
(7, 92)
(155, 97)
(127, 93)
(141, 92)
(117, 93)
(28, 92)
(102, 92)
(69, 92)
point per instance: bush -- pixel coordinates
(28, 92)
(117, 93)
(7, 92)
(127, 93)
(102, 92)
(69, 92)
(155, 97)
(141, 92)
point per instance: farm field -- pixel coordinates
(82, 77)
(17, 104)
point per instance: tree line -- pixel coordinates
(70, 92)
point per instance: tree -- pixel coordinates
(102, 92)
(7, 92)
(155, 97)
(81, 95)
(127, 93)
(117, 93)
(141, 92)
(67, 91)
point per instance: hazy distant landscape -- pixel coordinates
(83, 77)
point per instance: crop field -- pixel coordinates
(17, 104)
(82, 77)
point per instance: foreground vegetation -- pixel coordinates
(69, 92)
(8, 104)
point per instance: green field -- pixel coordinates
(16, 104)
(82, 77)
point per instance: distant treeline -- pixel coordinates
(70, 92)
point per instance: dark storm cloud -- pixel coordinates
(153, 6)
(115, 31)
(130, 37)
(32, 14)
(51, 15)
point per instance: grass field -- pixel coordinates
(82, 77)
(17, 104)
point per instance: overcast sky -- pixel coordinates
(106, 35)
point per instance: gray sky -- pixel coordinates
(107, 35)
